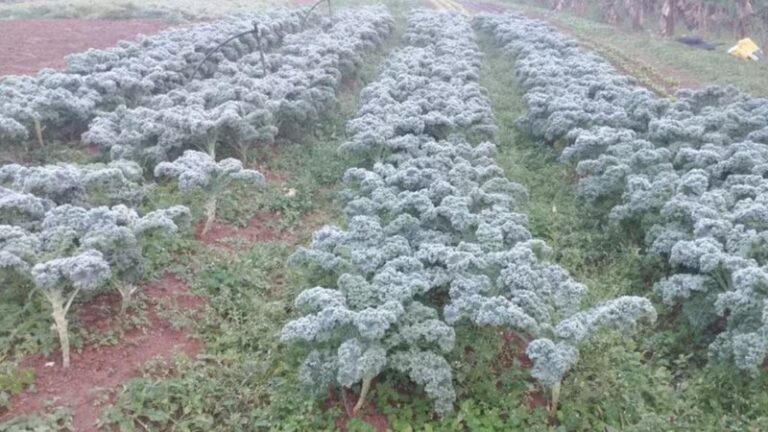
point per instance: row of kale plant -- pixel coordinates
(242, 103)
(70, 228)
(689, 172)
(435, 236)
(59, 105)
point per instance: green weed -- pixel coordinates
(53, 420)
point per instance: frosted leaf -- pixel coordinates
(681, 286)
(87, 270)
(621, 314)
(357, 362)
(318, 371)
(198, 170)
(429, 331)
(551, 361)
(317, 299)
(373, 323)
(13, 262)
(431, 371)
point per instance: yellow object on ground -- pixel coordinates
(745, 49)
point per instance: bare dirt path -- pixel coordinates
(26, 46)
(97, 372)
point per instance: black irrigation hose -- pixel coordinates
(254, 31)
(330, 11)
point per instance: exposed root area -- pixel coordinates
(512, 353)
(369, 414)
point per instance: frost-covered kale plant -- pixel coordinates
(118, 182)
(60, 233)
(430, 87)
(566, 87)
(66, 249)
(61, 279)
(198, 171)
(241, 106)
(370, 321)
(435, 235)
(688, 171)
(59, 105)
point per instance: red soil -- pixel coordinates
(536, 399)
(368, 413)
(97, 372)
(513, 355)
(26, 46)
(260, 229)
(513, 351)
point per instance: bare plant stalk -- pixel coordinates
(211, 148)
(555, 399)
(344, 401)
(126, 292)
(59, 314)
(244, 156)
(39, 133)
(363, 394)
(210, 213)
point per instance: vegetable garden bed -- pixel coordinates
(384, 271)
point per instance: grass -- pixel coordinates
(56, 419)
(609, 264)
(658, 62)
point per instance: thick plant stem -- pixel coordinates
(344, 401)
(210, 213)
(555, 399)
(211, 148)
(59, 314)
(363, 394)
(126, 292)
(39, 133)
